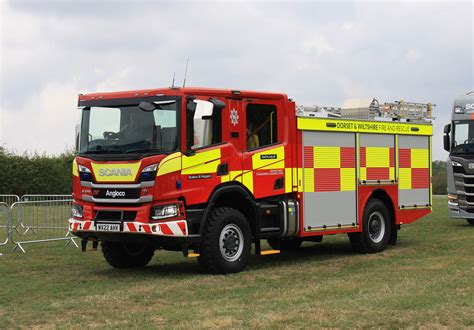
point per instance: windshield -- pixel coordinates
(463, 137)
(129, 129)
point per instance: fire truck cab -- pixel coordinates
(210, 172)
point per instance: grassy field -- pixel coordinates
(426, 280)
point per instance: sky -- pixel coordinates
(319, 53)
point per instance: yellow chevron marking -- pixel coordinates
(170, 164)
(75, 172)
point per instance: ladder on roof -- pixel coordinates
(372, 110)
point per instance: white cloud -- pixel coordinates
(318, 53)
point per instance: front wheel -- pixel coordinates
(376, 228)
(127, 255)
(226, 242)
(470, 221)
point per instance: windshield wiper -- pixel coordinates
(141, 150)
(103, 151)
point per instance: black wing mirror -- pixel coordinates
(147, 106)
(446, 139)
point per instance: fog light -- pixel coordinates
(453, 200)
(164, 211)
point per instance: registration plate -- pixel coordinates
(108, 227)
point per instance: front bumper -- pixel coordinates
(177, 228)
(456, 212)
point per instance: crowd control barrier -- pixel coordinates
(35, 219)
(4, 223)
(9, 199)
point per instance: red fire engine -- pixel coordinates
(210, 172)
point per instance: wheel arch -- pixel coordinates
(232, 195)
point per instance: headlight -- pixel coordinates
(164, 211)
(148, 173)
(76, 211)
(456, 163)
(150, 168)
(458, 109)
(83, 169)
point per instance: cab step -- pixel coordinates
(268, 252)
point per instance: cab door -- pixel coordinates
(264, 140)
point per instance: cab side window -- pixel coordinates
(262, 127)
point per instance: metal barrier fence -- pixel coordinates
(9, 199)
(37, 197)
(4, 223)
(40, 221)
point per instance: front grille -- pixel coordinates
(469, 180)
(116, 193)
(458, 169)
(115, 215)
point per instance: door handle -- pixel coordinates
(222, 169)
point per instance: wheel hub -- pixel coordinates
(231, 242)
(376, 227)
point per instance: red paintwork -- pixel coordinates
(233, 152)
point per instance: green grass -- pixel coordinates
(426, 280)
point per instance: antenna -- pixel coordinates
(174, 74)
(185, 72)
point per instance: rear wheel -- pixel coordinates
(376, 228)
(226, 242)
(470, 221)
(127, 255)
(285, 244)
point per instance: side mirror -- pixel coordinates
(446, 139)
(202, 124)
(147, 106)
(446, 142)
(204, 109)
(447, 129)
(78, 131)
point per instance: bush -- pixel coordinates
(439, 178)
(35, 174)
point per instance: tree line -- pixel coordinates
(34, 173)
(45, 174)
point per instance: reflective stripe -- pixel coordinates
(353, 126)
(327, 157)
(199, 158)
(247, 180)
(288, 180)
(377, 157)
(269, 159)
(404, 178)
(419, 158)
(169, 164)
(75, 172)
(348, 179)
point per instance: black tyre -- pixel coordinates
(376, 228)
(285, 244)
(226, 242)
(470, 221)
(127, 255)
